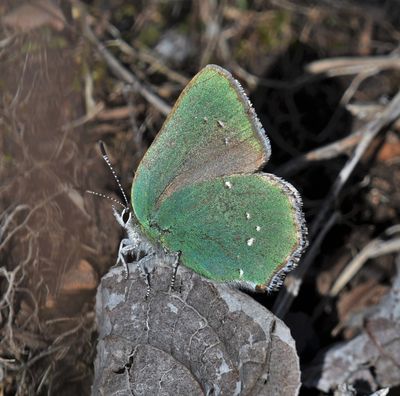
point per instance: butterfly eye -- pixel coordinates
(126, 216)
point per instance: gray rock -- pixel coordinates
(203, 339)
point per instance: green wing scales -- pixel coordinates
(241, 228)
(197, 189)
(211, 131)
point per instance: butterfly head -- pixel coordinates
(124, 217)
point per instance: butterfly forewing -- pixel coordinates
(211, 131)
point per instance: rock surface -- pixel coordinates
(201, 339)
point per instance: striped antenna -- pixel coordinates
(107, 197)
(105, 156)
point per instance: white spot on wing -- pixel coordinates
(228, 184)
(250, 241)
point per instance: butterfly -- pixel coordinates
(199, 193)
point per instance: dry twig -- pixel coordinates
(375, 248)
(331, 150)
(286, 299)
(295, 279)
(121, 72)
(353, 65)
(147, 57)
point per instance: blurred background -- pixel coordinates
(323, 77)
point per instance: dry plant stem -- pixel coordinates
(345, 66)
(28, 216)
(291, 6)
(213, 30)
(374, 248)
(389, 115)
(123, 73)
(292, 281)
(253, 81)
(381, 392)
(89, 116)
(41, 355)
(344, 101)
(147, 57)
(363, 71)
(9, 218)
(90, 102)
(323, 8)
(144, 55)
(44, 379)
(137, 132)
(115, 113)
(332, 150)
(8, 299)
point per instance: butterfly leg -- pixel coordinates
(146, 267)
(125, 248)
(175, 266)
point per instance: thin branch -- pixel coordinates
(123, 73)
(345, 99)
(28, 216)
(146, 56)
(89, 116)
(332, 150)
(388, 116)
(373, 249)
(293, 282)
(353, 65)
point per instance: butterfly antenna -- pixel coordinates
(107, 197)
(105, 156)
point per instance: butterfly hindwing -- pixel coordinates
(242, 228)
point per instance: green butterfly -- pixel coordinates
(198, 191)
